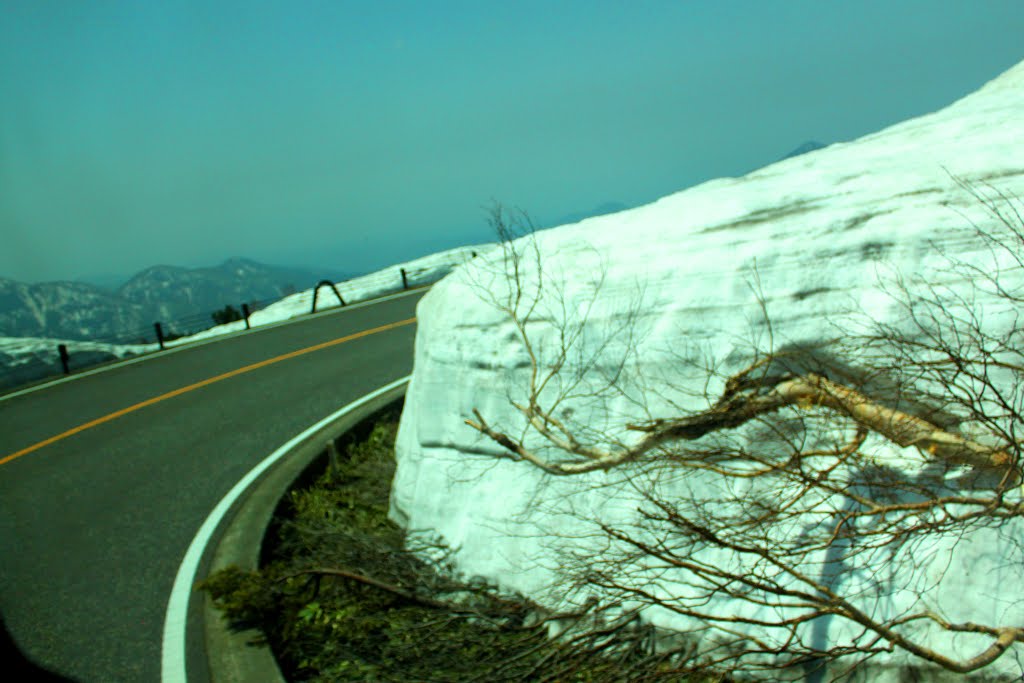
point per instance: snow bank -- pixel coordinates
(28, 359)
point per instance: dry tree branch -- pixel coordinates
(736, 408)
(854, 512)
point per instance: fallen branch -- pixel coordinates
(742, 402)
(508, 607)
(368, 581)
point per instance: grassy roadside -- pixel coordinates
(340, 598)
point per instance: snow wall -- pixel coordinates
(815, 235)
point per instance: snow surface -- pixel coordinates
(820, 231)
(28, 358)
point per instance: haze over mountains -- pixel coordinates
(78, 310)
(106, 307)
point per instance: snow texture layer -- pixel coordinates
(817, 232)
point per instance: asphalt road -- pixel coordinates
(94, 526)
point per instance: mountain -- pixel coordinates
(66, 310)
(169, 292)
(809, 146)
(107, 281)
(800, 150)
(77, 310)
(655, 312)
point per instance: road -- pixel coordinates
(94, 524)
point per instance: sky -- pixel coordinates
(354, 135)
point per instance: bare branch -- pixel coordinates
(796, 499)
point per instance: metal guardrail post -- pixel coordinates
(405, 281)
(317, 292)
(159, 335)
(62, 349)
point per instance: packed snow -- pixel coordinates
(815, 237)
(25, 359)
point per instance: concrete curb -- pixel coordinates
(230, 656)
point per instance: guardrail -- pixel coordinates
(328, 283)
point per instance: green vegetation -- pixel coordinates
(341, 599)
(228, 314)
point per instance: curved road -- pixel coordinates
(94, 524)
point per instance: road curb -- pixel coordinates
(231, 656)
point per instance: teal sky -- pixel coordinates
(359, 134)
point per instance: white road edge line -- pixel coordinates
(209, 340)
(173, 668)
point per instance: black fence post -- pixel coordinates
(405, 281)
(245, 314)
(159, 335)
(62, 349)
(333, 289)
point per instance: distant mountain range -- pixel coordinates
(85, 310)
(77, 310)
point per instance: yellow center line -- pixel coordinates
(197, 385)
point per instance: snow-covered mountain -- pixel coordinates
(71, 310)
(75, 310)
(169, 292)
(814, 234)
